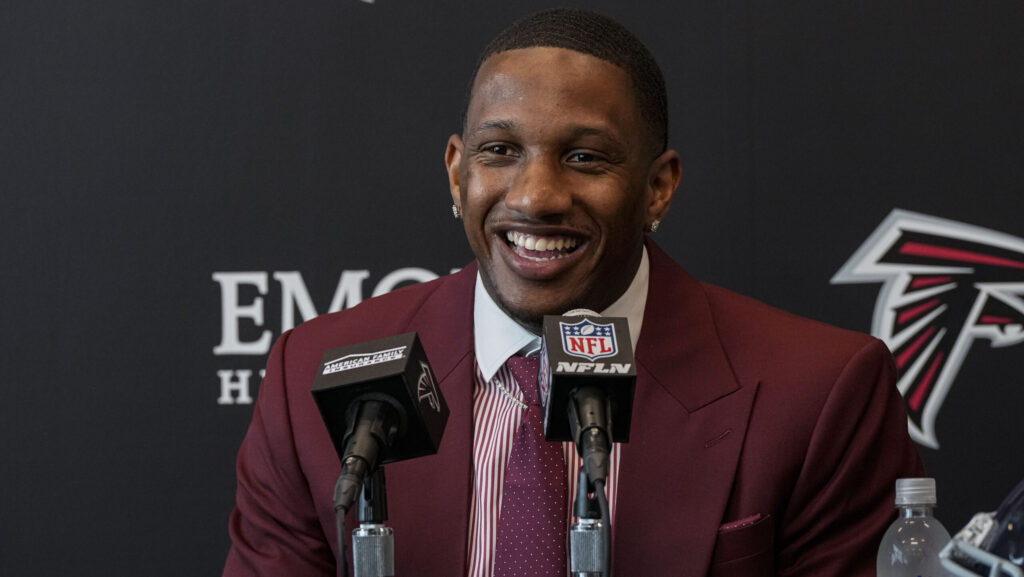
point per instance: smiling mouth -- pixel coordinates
(540, 248)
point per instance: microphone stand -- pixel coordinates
(373, 543)
(588, 548)
(590, 540)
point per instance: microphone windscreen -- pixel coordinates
(586, 349)
(394, 370)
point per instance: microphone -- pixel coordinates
(381, 404)
(587, 373)
(587, 382)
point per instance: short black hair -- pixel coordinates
(599, 36)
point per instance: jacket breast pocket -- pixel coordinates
(745, 548)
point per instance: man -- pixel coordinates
(762, 443)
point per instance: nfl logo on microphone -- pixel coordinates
(588, 340)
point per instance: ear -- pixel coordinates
(662, 181)
(453, 160)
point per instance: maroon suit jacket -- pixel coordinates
(762, 443)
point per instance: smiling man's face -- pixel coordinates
(556, 177)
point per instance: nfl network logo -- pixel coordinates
(588, 340)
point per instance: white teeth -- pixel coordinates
(541, 244)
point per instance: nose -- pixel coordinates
(539, 190)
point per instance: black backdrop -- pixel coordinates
(153, 152)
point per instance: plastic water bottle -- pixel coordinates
(910, 548)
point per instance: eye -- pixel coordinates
(497, 149)
(496, 153)
(582, 158)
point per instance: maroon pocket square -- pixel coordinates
(745, 545)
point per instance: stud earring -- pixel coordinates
(456, 212)
(653, 226)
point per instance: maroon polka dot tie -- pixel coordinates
(531, 527)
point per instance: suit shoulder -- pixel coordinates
(378, 317)
(733, 311)
(755, 334)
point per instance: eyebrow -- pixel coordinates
(592, 131)
(574, 131)
(498, 124)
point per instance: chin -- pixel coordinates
(531, 315)
(526, 316)
(528, 302)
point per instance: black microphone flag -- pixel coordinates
(586, 350)
(394, 371)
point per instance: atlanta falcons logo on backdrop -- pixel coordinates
(945, 284)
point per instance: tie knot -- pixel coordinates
(524, 370)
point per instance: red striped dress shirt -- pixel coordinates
(498, 409)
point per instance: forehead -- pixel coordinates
(548, 86)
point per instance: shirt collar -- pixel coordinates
(497, 337)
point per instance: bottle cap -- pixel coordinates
(915, 492)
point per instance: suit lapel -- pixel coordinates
(430, 497)
(690, 418)
(676, 474)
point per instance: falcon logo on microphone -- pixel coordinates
(426, 387)
(945, 284)
(589, 340)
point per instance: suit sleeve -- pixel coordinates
(274, 526)
(842, 502)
